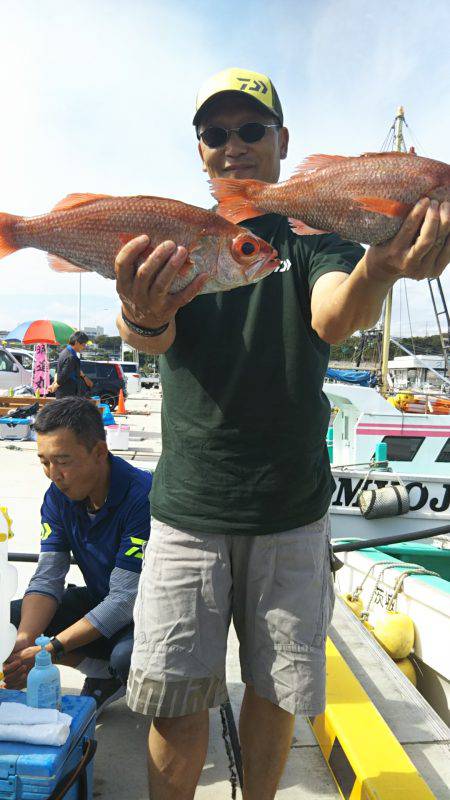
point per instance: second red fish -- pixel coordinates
(364, 199)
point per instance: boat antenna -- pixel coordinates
(395, 140)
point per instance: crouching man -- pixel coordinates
(97, 509)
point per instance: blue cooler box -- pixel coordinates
(32, 772)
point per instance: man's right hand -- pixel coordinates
(145, 290)
(14, 669)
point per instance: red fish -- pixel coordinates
(85, 232)
(364, 198)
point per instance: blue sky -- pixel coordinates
(98, 97)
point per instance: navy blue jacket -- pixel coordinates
(115, 537)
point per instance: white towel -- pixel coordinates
(54, 735)
(21, 723)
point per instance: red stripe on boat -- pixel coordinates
(398, 430)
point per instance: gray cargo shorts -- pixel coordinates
(278, 589)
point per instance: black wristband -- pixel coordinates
(144, 331)
(58, 648)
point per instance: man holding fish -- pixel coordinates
(241, 493)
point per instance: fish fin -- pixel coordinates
(317, 161)
(197, 252)
(302, 229)
(61, 265)
(234, 198)
(381, 205)
(74, 200)
(7, 243)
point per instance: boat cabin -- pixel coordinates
(409, 372)
(416, 443)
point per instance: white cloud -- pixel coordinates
(99, 97)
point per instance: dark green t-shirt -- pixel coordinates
(244, 417)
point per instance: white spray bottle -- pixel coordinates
(8, 586)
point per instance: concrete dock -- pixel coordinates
(120, 763)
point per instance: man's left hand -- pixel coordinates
(421, 248)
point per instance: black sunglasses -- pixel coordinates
(249, 133)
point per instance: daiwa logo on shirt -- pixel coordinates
(285, 265)
(138, 547)
(45, 531)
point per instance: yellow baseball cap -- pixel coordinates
(255, 85)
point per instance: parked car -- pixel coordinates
(24, 357)
(107, 377)
(12, 373)
(151, 381)
(132, 376)
(108, 380)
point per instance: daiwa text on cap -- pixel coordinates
(253, 84)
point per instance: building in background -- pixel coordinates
(97, 331)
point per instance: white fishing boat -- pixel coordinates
(418, 453)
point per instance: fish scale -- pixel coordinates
(364, 198)
(86, 232)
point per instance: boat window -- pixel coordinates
(402, 448)
(444, 455)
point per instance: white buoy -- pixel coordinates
(8, 586)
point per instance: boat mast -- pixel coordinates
(400, 147)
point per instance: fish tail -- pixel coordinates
(236, 198)
(7, 240)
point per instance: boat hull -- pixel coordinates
(426, 600)
(429, 504)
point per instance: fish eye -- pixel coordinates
(248, 248)
(245, 247)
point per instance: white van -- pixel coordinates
(12, 373)
(24, 357)
(132, 376)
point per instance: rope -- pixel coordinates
(387, 565)
(413, 568)
(359, 588)
(389, 139)
(416, 139)
(399, 584)
(409, 317)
